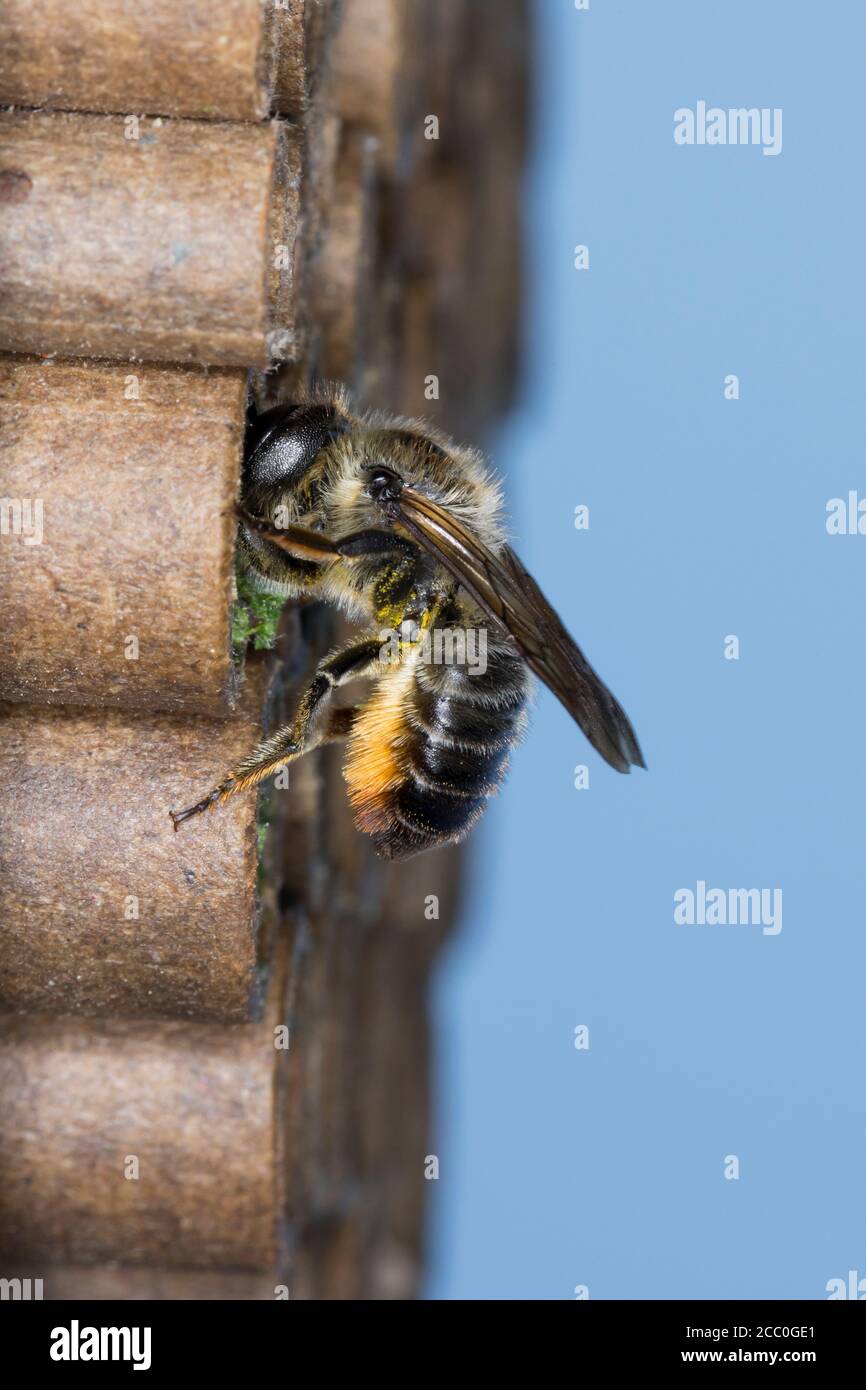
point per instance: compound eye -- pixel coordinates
(285, 441)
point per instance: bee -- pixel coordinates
(402, 529)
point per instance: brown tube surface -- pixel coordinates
(194, 1105)
(175, 246)
(305, 30)
(208, 58)
(345, 292)
(148, 1283)
(108, 910)
(377, 73)
(127, 473)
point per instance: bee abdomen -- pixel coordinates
(452, 770)
(449, 737)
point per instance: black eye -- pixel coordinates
(284, 442)
(383, 483)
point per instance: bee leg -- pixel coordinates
(308, 728)
(340, 723)
(372, 542)
(297, 541)
(303, 544)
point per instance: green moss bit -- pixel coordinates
(263, 821)
(255, 617)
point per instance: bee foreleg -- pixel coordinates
(297, 541)
(309, 727)
(373, 542)
(303, 544)
(340, 723)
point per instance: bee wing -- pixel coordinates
(510, 596)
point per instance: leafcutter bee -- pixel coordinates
(401, 528)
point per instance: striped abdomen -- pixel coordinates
(431, 746)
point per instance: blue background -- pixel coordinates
(605, 1167)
